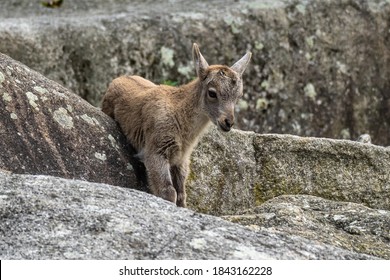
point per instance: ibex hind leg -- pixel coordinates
(179, 176)
(159, 178)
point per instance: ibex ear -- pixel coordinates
(241, 65)
(199, 61)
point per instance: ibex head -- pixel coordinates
(221, 87)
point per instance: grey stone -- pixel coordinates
(333, 169)
(46, 129)
(43, 217)
(343, 224)
(238, 170)
(319, 68)
(223, 172)
(364, 138)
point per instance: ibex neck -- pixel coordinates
(191, 94)
(190, 104)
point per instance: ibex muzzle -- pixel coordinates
(226, 120)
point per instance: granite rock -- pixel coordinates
(319, 68)
(46, 129)
(44, 217)
(238, 170)
(347, 225)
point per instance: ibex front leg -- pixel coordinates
(179, 176)
(159, 177)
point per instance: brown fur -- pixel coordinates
(164, 123)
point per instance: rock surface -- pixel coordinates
(239, 170)
(319, 68)
(44, 217)
(342, 224)
(46, 129)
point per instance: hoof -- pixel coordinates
(181, 200)
(168, 193)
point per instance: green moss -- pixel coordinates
(170, 83)
(273, 184)
(207, 201)
(257, 191)
(191, 176)
(194, 198)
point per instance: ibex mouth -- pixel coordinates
(223, 127)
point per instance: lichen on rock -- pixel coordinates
(299, 197)
(294, 44)
(2, 78)
(347, 225)
(32, 98)
(101, 156)
(62, 117)
(6, 97)
(54, 140)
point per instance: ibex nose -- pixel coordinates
(229, 123)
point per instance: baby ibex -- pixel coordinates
(164, 123)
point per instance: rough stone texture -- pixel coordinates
(334, 169)
(46, 129)
(223, 173)
(343, 224)
(238, 170)
(319, 68)
(44, 217)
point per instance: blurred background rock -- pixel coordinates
(319, 68)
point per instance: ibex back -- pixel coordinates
(164, 123)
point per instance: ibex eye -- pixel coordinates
(212, 94)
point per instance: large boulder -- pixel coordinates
(46, 129)
(346, 225)
(43, 217)
(319, 68)
(234, 171)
